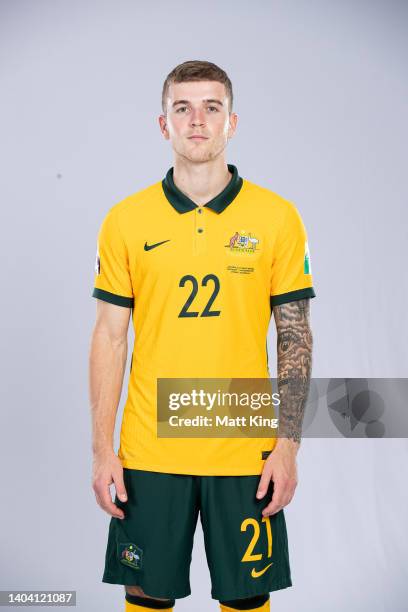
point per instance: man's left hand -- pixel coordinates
(280, 467)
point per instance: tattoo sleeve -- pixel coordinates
(294, 352)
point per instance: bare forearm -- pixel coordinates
(107, 362)
(294, 352)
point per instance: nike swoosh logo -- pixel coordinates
(147, 247)
(256, 574)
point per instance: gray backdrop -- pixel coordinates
(321, 93)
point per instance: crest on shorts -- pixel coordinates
(130, 555)
(243, 242)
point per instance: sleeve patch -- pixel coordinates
(307, 264)
(97, 263)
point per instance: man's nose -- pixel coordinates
(197, 117)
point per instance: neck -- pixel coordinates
(201, 182)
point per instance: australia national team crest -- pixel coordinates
(130, 555)
(243, 242)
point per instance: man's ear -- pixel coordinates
(163, 125)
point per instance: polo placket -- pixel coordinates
(200, 231)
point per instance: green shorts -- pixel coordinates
(247, 554)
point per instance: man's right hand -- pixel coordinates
(107, 469)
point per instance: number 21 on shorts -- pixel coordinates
(249, 555)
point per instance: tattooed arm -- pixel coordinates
(294, 349)
(294, 369)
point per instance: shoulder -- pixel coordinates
(127, 216)
(135, 204)
(269, 202)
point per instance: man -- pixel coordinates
(200, 259)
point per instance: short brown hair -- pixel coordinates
(196, 70)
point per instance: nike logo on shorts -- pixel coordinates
(256, 574)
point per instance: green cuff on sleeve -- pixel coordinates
(291, 296)
(112, 298)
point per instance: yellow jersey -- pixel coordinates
(201, 283)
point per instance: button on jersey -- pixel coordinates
(201, 282)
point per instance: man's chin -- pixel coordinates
(199, 157)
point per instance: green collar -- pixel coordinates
(182, 203)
